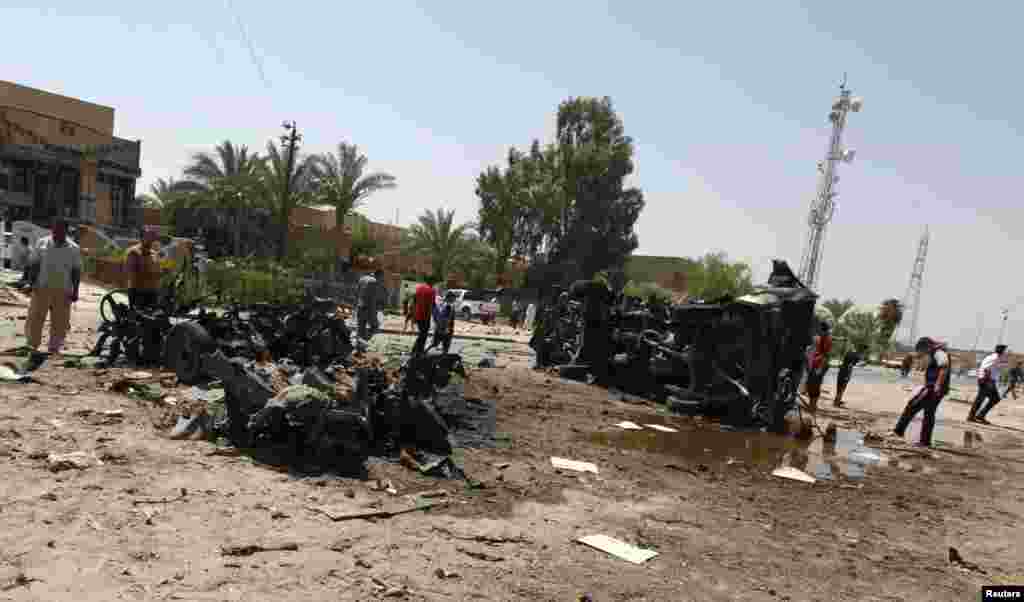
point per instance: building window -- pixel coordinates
(67, 129)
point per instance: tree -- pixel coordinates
(890, 315)
(436, 236)
(838, 307)
(506, 213)
(714, 277)
(476, 262)
(287, 182)
(340, 182)
(228, 161)
(861, 328)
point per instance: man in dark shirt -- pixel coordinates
(1016, 375)
(850, 360)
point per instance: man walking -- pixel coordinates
(850, 360)
(423, 310)
(444, 322)
(1016, 375)
(988, 376)
(143, 263)
(367, 296)
(928, 397)
(55, 287)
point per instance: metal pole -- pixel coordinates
(1002, 328)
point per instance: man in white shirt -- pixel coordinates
(368, 295)
(988, 377)
(55, 288)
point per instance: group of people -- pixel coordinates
(818, 365)
(424, 307)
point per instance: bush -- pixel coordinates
(646, 290)
(248, 281)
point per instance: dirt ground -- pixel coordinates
(147, 518)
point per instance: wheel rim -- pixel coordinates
(112, 304)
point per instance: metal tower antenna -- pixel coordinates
(823, 205)
(912, 299)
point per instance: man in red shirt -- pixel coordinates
(423, 311)
(818, 364)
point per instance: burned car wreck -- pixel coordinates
(742, 358)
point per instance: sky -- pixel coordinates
(726, 102)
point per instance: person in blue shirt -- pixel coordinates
(444, 322)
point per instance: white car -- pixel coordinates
(470, 304)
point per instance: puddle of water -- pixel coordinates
(846, 456)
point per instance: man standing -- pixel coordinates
(367, 296)
(1016, 375)
(21, 256)
(143, 262)
(423, 310)
(988, 376)
(444, 322)
(928, 397)
(55, 287)
(818, 364)
(850, 360)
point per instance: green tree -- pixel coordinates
(363, 245)
(340, 182)
(506, 213)
(476, 262)
(436, 236)
(890, 315)
(227, 161)
(860, 329)
(287, 183)
(838, 307)
(714, 277)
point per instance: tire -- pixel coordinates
(467, 314)
(111, 304)
(184, 349)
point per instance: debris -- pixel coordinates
(446, 574)
(433, 494)
(618, 548)
(189, 426)
(49, 496)
(74, 460)
(662, 428)
(8, 374)
(391, 488)
(957, 559)
(20, 580)
(184, 494)
(566, 464)
(139, 375)
(501, 465)
(363, 564)
(487, 539)
(345, 544)
(788, 472)
(338, 515)
(480, 555)
(250, 549)
(631, 426)
(407, 459)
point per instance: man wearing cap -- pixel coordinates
(58, 273)
(928, 397)
(988, 376)
(444, 322)
(143, 264)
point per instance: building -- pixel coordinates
(59, 156)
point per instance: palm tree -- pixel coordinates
(164, 193)
(340, 181)
(436, 236)
(230, 161)
(287, 184)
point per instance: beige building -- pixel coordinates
(59, 156)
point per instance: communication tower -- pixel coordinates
(912, 299)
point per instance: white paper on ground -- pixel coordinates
(567, 464)
(632, 426)
(619, 549)
(662, 428)
(788, 472)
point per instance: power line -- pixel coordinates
(245, 38)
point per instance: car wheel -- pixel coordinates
(467, 314)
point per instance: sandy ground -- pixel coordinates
(704, 500)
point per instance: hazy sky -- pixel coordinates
(727, 103)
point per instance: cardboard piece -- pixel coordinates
(662, 428)
(619, 549)
(788, 472)
(630, 426)
(566, 464)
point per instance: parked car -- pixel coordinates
(474, 304)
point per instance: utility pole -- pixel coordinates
(290, 142)
(1002, 328)
(823, 205)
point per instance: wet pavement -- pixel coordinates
(844, 457)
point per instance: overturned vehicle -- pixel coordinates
(742, 358)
